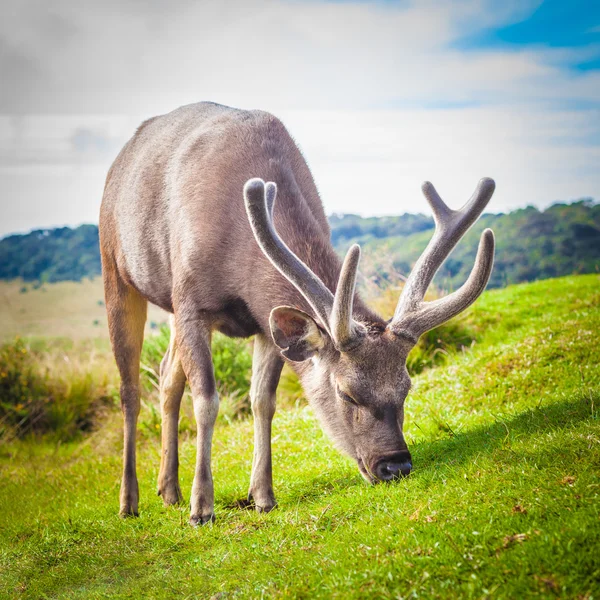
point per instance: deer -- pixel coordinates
(212, 214)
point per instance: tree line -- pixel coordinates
(530, 244)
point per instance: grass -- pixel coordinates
(504, 501)
(69, 309)
(63, 383)
(39, 394)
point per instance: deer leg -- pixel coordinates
(266, 369)
(172, 385)
(193, 339)
(126, 311)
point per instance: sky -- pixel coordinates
(379, 96)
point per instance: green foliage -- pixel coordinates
(530, 245)
(346, 229)
(435, 347)
(51, 254)
(438, 346)
(22, 392)
(504, 501)
(232, 362)
(34, 400)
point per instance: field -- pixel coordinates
(504, 501)
(68, 309)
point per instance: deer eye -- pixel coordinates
(346, 397)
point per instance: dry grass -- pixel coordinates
(66, 309)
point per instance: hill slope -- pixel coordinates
(561, 240)
(61, 254)
(530, 245)
(504, 500)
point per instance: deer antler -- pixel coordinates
(413, 316)
(346, 332)
(334, 312)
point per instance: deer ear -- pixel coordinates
(296, 333)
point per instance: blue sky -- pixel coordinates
(553, 24)
(379, 95)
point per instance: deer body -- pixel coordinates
(184, 226)
(177, 211)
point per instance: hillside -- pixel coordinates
(504, 501)
(531, 244)
(48, 255)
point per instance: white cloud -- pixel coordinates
(379, 171)
(90, 57)
(347, 79)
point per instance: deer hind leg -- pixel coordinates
(266, 369)
(126, 311)
(193, 339)
(172, 385)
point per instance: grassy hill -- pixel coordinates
(48, 255)
(504, 500)
(530, 244)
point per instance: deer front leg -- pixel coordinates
(193, 339)
(266, 369)
(172, 386)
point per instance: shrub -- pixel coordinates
(51, 388)
(436, 346)
(34, 401)
(232, 363)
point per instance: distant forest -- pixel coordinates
(49, 255)
(530, 244)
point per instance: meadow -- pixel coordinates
(504, 500)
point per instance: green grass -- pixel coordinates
(504, 501)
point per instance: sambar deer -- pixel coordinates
(186, 224)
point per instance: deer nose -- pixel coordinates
(394, 467)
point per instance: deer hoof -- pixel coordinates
(263, 502)
(171, 495)
(265, 509)
(196, 520)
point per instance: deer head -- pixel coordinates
(354, 373)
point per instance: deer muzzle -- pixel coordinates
(393, 467)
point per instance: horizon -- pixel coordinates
(379, 96)
(330, 215)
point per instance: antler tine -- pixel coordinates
(438, 206)
(451, 225)
(270, 195)
(480, 198)
(345, 330)
(259, 203)
(433, 314)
